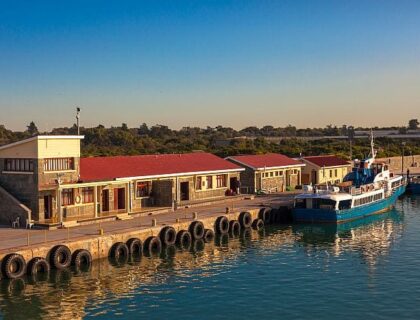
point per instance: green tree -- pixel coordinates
(32, 129)
(413, 124)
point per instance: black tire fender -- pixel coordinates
(38, 265)
(245, 219)
(208, 235)
(135, 246)
(60, 257)
(14, 266)
(221, 225)
(197, 230)
(167, 236)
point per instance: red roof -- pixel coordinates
(269, 160)
(327, 161)
(110, 168)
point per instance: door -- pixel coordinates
(121, 198)
(47, 207)
(105, 200)
(185, 191)
(313, 177)
(234, 184)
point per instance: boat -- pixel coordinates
(413, 186)
(370, 188)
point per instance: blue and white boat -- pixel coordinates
(369, 189)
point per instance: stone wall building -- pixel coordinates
(44, 179)
(268, 172)
(324, 169)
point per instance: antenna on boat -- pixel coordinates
(372, 145)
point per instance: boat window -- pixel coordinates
(323, 204)
(344, 204)
(300, 203)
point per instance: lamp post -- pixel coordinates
(402, 157)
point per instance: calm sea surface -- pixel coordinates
(366, 269)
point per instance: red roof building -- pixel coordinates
(324, 169)
(326, 161)
(269, 172)
(265, 161)
(152, 166)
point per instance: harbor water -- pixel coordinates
(367, 268)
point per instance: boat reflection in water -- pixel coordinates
(371, 237)
(67, 294)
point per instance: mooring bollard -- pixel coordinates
(195, 215)
(101, 232)
(154, 222)
(227, 210)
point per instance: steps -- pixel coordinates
(124, 216)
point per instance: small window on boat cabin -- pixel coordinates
(331, 173)
(271, 174)
(336, 173)
(300, 203)
(323, 204)
(344, 204)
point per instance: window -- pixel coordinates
(209, 182)
(143, 189)
(221, 181)
(271, 174)
(67, 197)
(336, 173)
(87, 194)
(58, 164)
(280, 173)
(331, 173)
(198, 183)
(19, 165)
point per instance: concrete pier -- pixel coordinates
(99, 238)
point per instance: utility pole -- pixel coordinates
(77, 120)
(402, 157)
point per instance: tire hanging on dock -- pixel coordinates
(221, 225)
(208, 235)
(167, 236)
(13, 266)
(197, 245)
(196, 229)
(135, 247)
(82, 260)
(234, 228)
(257, 224)
(60, 257)
(152, 245)
(245, 219)
(38, 266)
(184, 239)
(265, 215)
(119, 251)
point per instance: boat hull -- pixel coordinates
(339, 216)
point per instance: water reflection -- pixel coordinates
(371, 237)
(73, 294)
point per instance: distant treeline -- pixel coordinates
(223, 141)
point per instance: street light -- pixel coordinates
(402, 157)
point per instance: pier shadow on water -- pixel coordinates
(96, 291)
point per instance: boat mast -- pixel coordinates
(372, 145)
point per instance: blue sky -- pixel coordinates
(198, 63)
